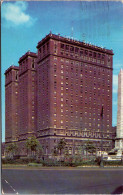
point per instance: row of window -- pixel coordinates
(85, 52)
(84, 133)
(77, 65)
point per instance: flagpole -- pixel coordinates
(101, 162)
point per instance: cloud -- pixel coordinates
(15, 14)
(115, 83)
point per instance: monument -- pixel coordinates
(119, 130)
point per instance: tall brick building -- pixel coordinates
(59, 93)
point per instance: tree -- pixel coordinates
(66, 152)
(80, 150)
(61, 145)
(55, 151)
(32, 144)
(12, 149)
(39, 150)
(89, 147)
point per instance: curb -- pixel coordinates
(40, 166)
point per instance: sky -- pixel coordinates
(24, 24)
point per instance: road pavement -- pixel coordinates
(62, 181)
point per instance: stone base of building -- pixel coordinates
(119, 146)
(73, 145)
(117, 152)
(119, 143)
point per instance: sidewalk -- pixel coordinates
(57, 167)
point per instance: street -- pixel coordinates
(63, 181)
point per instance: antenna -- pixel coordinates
(72, 30)
(83, 37)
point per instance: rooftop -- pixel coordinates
(12, 67)
(29, 53)
(74, 42)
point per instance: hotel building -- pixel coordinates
(60, 92)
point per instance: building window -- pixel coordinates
(94, 54)
(55, 58)
(72, 49)
(81, 52)
(43, 49)
(86, 52)
(62, 46)
(67, 47)
(62, 60)
(33, 66)
(76, 49)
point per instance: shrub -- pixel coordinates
(8, 161)
(68, 161)
(113, 162)
(23, 160)
(51, 162)
(34, 164)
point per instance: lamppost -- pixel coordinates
(101, 115)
